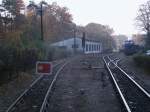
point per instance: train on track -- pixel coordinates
(130, 48)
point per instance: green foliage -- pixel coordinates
(14, 60)
(21, 46)
(142, 61)
(148, 41)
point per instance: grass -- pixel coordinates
(142, 61)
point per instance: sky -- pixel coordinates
(118, 14)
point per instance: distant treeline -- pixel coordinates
(20, 34)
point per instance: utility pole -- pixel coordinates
(40, 9)
(42, 36)
(74, 41)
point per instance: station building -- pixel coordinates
(72, 44)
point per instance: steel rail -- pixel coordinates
(46, 101)
(117, 86)
(26, 90)
(141, 88)
(23, 94)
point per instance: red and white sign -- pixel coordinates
(44, 68)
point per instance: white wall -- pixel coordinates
(93, 47)
(69, 43)
(96, 47)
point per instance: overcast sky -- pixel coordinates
(118, 14)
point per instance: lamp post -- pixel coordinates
(39, 10)
(42, 36)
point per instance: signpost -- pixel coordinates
(44, 68)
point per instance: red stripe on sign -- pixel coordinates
(44, 68)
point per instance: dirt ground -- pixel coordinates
(82, 89)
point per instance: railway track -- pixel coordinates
(32, 98)
(133, 97)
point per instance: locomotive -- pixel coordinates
(130, 48)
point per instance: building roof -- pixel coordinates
(92, 40)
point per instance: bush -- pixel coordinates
(58, 53)
(13, 61)
(142, 61)
(27, 59)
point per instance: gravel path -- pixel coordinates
(81, 89)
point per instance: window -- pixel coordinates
(90, 47)
(86, 47)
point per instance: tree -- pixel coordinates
(22, 45)
(101, 33)
(57, 22)
(13, 6)
(143, 20)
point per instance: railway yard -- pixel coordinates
(74, 56)
(87, 83)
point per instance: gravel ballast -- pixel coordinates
(11, 91)
(137, 73)
(82, 89)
